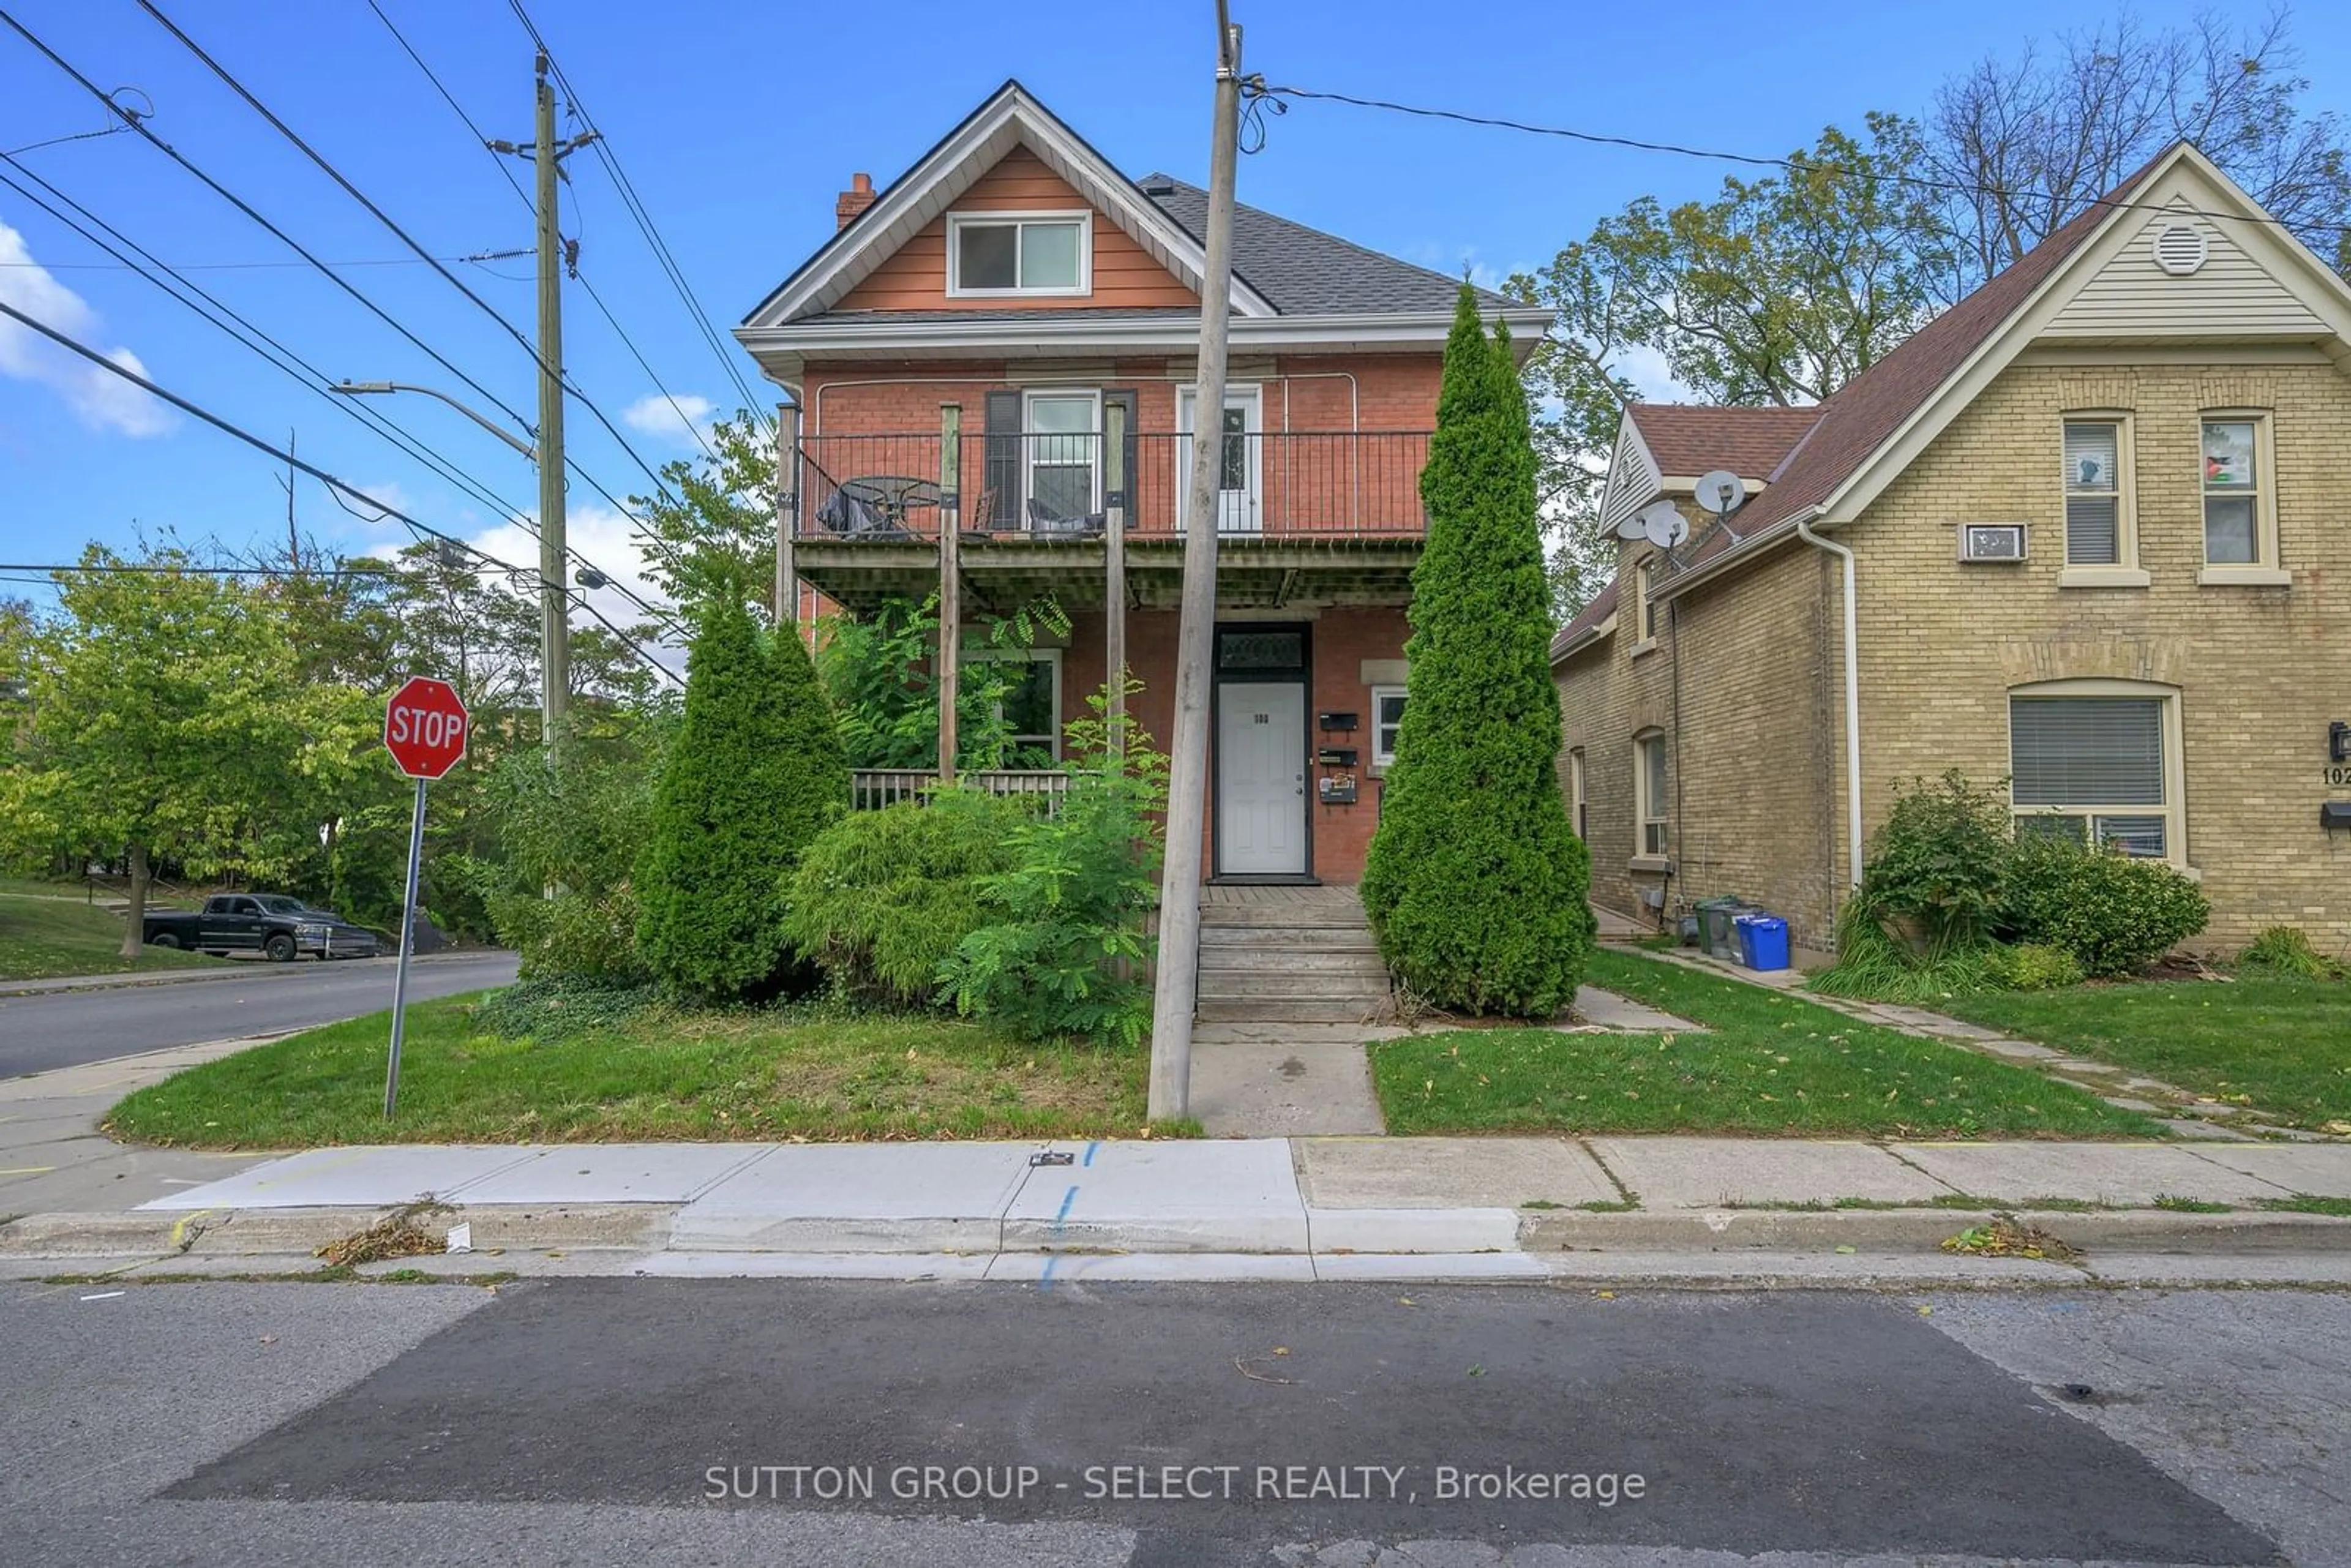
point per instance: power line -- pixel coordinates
(293, 364)
(637, 211)
(327, 167)
(479, 256)
(299, 465)
(348, 569)
(1256, 87)
(247, 209)
(475, 131)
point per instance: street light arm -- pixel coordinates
(484, 421)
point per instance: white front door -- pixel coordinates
(1261, 778)
(1240, 434)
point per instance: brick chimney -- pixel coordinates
(854, 200)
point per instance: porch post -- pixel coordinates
(1117, 481)
(950, 593)
(788, 476)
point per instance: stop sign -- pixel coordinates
(424, 727)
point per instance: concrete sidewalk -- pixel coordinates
(1298, 1208)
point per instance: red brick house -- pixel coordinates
(997, 348)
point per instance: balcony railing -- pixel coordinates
(1050, 487)
(871, 789)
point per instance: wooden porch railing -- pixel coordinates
(871, 789)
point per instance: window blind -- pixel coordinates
(2086, 751)
(2093, 494)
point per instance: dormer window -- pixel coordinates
(1019, 253)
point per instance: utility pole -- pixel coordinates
(1187, 784)
(547, 157)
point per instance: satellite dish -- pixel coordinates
(1661, 523)
(1721, 491)
(1630, 528)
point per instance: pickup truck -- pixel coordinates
(271, 923)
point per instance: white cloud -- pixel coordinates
(608, 538)
(101, 401)
(682, 419)
(1646, 369)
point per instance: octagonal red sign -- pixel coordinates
(424, 727)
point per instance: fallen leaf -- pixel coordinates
(1846, 1250)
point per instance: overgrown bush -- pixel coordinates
(1475, 885)
(1937, 864)
(2032, 966)
(561, 1007)
(1065, 944)
(755, 774)
(882, 898)
(569, 829)
(881, 673)
(2115, 912)
(2286, 950)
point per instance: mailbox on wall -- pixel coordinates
(1338, 721)
(1336, 757)
(1339, 789)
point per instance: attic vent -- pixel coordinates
(1159, 187)
(2180, 249)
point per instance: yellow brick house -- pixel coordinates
(2088, 533)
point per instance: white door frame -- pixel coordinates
(1238, 512)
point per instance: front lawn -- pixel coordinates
(48, 934)
(1769, 1063)
(2275, 1044)
(661, 1075)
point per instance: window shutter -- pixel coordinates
(1003, 460)
(2086, 751)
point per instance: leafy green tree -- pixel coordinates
(1476, 887)
(1778, 291)
(713, 531)
(880, 671)
(573, 821)
(161, 705)
(754, 773)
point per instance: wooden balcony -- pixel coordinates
(1330, 517)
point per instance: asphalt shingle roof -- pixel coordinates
(1305, 272)
(1697, 438)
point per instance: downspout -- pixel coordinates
(1852, 695)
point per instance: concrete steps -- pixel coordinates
(1303, 964)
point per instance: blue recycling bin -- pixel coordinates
(1762, 941)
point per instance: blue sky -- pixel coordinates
(738, 123)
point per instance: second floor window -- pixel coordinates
(1062, 446)
(2235, 494)
(2095, 525)
(988, 254)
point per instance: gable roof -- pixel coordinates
(1690, 439)
(1011, 117)
(1306, 272)
(1586, 623)
(1861, 414)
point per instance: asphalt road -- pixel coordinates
(65, 1029)
(652, 1422)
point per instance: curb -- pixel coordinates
(65, 984)
(2147, 1230)
(1604, 1240)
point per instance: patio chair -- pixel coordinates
(1045, 522)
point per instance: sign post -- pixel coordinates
(424, 727)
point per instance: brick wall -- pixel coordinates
(2259, 670)
(1746, 662)
(1341, 642)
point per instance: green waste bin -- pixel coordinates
(1718, 930)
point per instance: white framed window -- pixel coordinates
(1387, 720)
(1019, 253)
(1060, 451)
(2239, 498)
(1578, 813)
(1644, 608)
(1649, 793)
(1031, 708)
(2100, 503)
(2098, 762)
